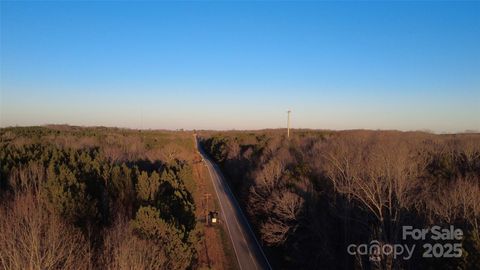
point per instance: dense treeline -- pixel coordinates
(83, 198)
(311, 196)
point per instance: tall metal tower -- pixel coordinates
(288, 123)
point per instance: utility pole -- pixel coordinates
(207, 196)
(288, 123)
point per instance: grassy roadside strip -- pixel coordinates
(216, 250)
(221, 230)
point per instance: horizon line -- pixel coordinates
(52, 125)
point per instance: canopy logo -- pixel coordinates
(375, 250)
(435, 247)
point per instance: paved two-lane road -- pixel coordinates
(247, 249)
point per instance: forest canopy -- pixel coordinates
(311, 196)
(124, 199)
(96, 198)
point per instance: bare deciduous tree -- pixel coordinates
(268, 178)
(31, 237)
(285, 207)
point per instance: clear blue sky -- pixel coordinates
(241, 65)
